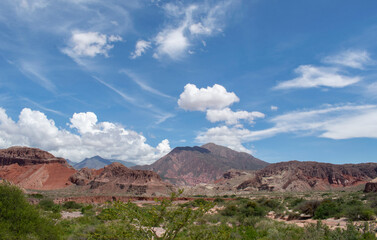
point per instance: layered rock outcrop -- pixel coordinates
(32, 168)
(27, 156)
(303, 176)
(118, 179)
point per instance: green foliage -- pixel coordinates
(49, 205)
(360, 212)
(218, 200)
(20, 220)
(72, 205)
(327, 208)
(36, 195)
(172, 218)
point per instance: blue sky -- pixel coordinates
(131, 80)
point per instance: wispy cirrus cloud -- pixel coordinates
(350, 58)
(187, 25)
(33, 71)
(135, 78)
(140, 48)
(312, 76)
(333, 75)
(120, 93)
(333, 122)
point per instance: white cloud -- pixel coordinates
(351, 58)
(274, 108)
(311, 76)
(89, 44)
(335, 122)
(198, 28)
(109, 140)
(140, 48)
(230, 117)
(187, 24)
(215, 97)
(171, 42)
(225, 136)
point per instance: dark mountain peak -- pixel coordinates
(97, 157)
(191, 149)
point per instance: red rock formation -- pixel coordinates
(118, 179)
(27, 156)
(301, 176)
(32, 168)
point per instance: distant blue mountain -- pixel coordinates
(98, 162)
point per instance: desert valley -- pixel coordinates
(210, 180)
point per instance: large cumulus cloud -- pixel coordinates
(109, 140)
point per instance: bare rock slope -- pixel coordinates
(303, 176)
(205, 164)
(32, 168)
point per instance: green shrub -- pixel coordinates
(360, 212)
(49, 205)
(327, 208)
(36, 195)
(72, 205)
(20, 220)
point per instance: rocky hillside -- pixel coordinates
(32, 168)
(304, 176)
(27, 156)
(194, 165)
(371, 186)
(118, 179)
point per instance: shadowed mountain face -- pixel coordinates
(193, 165)
(306, 176)
(98, 162)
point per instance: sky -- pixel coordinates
(131, 80)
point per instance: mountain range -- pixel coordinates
(207, 170)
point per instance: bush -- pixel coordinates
(362, 213)
(49, 205)
(72, 205)
(328, 208)
(20, 220)
(36, 195)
